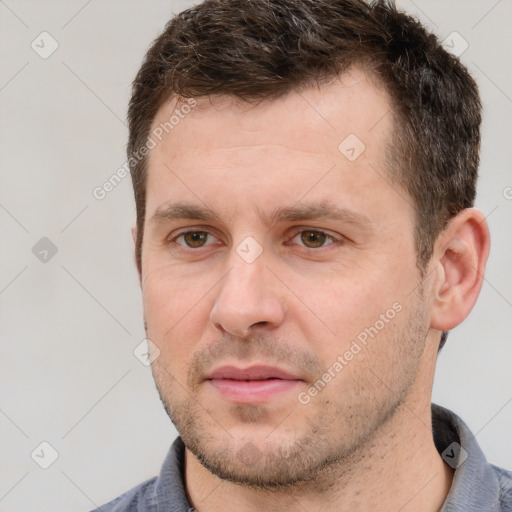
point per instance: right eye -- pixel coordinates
(192, 239)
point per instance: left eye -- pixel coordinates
(313, 239)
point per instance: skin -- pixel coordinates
(364, 441)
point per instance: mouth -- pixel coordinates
(256, 384)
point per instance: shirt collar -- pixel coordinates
(170, 493)
(475, 485)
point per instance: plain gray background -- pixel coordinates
(69, 325)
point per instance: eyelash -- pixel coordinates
(317, 231)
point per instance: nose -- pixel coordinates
(248, 299)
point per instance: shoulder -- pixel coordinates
(137, 499)
(163, 492)
(505, 482)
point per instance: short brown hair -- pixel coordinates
(261, 49)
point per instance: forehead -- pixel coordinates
(351, 103)
(328, 139)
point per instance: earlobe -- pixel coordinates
(461, 255)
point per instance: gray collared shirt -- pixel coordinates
(477, 485)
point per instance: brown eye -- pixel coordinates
(313, 239)
(195, 239)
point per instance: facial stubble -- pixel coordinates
(335, 432)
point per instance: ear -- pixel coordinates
(460, 257)
(134, 238)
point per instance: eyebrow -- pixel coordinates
(321, 211)
(181, 210)
(299, 212)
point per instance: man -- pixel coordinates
(304, 176)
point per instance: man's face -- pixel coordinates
(288, 333)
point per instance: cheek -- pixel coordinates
(354, 314)
(168, 293)
(348, 304)
(176, 312)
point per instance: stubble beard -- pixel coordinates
(331, 441)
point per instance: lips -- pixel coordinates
(251, 373)
(256, 384)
